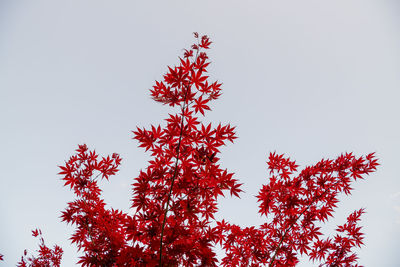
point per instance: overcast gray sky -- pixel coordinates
(307, 78)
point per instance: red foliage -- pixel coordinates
(47, 257)
(175, 197)
(294, 204)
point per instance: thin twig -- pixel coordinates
(184, 107)
(298, 217)
(172, 183)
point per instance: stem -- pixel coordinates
(185, 106)
(172, 183)
(291, 226)
(287, 230)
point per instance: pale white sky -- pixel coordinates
(308, 78)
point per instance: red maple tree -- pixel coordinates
(175, 197)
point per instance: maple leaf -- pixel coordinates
(200, 105)
(197, 79)
(35, 232)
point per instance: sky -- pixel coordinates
(311, 79)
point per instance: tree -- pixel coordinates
(175, 197)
